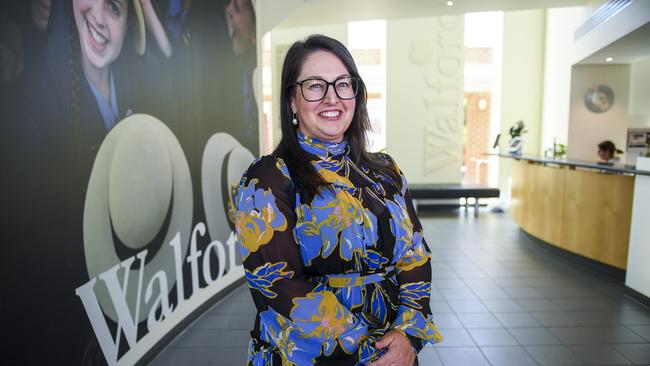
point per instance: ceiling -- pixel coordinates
(631, 48)
(319, 12)
(303, 13)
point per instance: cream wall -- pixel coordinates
(522, 81)
(560, 25)
(424, 94)
(587, 128)
(639, 112)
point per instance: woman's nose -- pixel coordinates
(330, 95)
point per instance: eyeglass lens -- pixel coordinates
(315, 89)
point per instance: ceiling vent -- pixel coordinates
(604, 13)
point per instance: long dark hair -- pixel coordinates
(297, 160)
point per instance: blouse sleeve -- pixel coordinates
(413, 265)
(297, 316)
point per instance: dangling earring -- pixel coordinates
(294, 120)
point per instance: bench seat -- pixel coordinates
(430, 191)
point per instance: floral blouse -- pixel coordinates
(329, 276)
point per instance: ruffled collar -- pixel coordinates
(321, 148)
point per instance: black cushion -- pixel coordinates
(430, 190)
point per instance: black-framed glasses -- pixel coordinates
(315, 89)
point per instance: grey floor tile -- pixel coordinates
(634, 317)
(487, 293)
(455, 338)
(212, 338)
(470, 273)
(567, 292)
(449, 283)
(556, 319)
(476, 283)
(479, 320)
(642, 330)
(553, 355)
(523, 293)
(216, 322)
(429, 357)
(440, 306)
(492, 337)
(462, 356)
(191, 357)
(637, 353)
(599, 355)
(587, 304)
(467, 306)
(597, 317)
(534, 336)
(596, 335)
(502, 305)
(517, 320)
(457, 294)
(447, 320)
(508, 356)
(537, 305)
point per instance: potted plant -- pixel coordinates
(516, 138)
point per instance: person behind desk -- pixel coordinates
(607, 152)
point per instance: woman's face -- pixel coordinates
(604, 155)
(329, 118)
(241, 27)
(102, 26)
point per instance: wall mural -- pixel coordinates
(126, 125)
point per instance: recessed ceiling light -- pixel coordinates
(450, 3)
(609, 59)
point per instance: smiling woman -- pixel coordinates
(333, 250)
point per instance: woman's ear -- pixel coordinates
(293, 104)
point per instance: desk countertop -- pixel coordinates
(614, 168)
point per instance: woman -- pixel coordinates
(607, 152)
(333, 251)
(102, 26)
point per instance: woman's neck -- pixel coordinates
(99, 77)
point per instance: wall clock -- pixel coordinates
(599, 99)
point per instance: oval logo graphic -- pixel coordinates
(139, 197)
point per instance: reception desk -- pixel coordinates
(583, 208)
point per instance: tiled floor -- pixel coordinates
(497, 300)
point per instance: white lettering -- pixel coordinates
(194, 255)
(117, 293)
(178, 265)
(162, 301)
(221, 256)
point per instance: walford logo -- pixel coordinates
(139, 206)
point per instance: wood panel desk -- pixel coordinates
(587, 212)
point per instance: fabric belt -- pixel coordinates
(356, 278)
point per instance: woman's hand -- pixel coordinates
(156, 28)
(400, 351)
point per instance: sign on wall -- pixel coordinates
(126, 126)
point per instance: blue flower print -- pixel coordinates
(321, 316)
(401, 226)
(334, 219)
(374, 260)
(411, 293)
(417, 255)
(414, 323)
(263, 277)
(280, 332)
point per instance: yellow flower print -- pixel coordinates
(257, 217)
